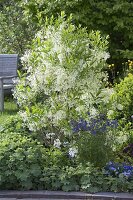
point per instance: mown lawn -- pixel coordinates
(10, 108)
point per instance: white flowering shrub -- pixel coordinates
(64, 76)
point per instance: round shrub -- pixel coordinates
(122, 99)
(21, 161)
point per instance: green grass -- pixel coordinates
(10, 108)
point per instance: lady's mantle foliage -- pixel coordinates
(64, 75)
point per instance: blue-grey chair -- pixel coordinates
(8, 71)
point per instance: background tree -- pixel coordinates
(15, 32)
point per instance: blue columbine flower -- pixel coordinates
(115, 169)
(112, 168)
(127, 174)
(94, 125)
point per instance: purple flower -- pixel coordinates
(126, 174)
(115, 169)
(112, 168)
(94, 125)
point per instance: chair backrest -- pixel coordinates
(8, 66)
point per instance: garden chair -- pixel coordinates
(8, 71)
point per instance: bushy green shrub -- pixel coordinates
(64, 76)
(122, 99)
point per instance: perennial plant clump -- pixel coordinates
(95, 138)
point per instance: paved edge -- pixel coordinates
(65, 195)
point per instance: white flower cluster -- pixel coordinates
(57, 143)
(73, 152)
